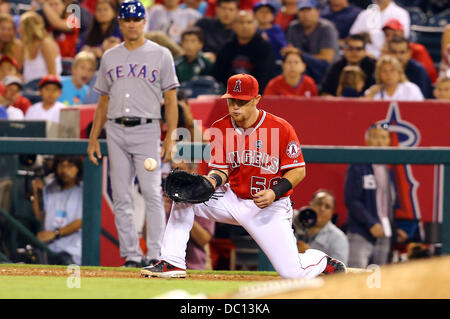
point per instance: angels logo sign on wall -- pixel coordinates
(404, 133)
(293, 149)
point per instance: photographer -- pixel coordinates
(314, 228)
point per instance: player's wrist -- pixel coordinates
(282, 187)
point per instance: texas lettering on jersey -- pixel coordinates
(257, 157)
(132, 70)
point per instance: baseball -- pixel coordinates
(150, 164)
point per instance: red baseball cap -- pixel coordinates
(50, 78)
(394, 24)
(242, 87)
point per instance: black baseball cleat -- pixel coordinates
(163, 270)
(334, 266)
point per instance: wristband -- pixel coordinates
(217, 178)
(282, 187)
(219, 170)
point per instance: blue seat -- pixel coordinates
(440, 20)
(417, 16)
(67, 66)
(32, 85)
(431, 38)
(201, 85)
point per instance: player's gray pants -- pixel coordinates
(128, 147)
(362, 252)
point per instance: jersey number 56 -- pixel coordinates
(260, 183)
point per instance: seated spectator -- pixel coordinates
(444, 67)
(287, 13)
(442, 89)
(202, 229)
(265, 14)
(354, 54)
(247, 53)
(63, 25)
(370, 199)
(311, 34)
(170, 18)
(394, 29)
(41, 52)
(103, 26)
(75, 87)
(293, 81)
(62, 210)
(324, 235)
(8, 66)
(9, 44)
(351, 82)
(193, 62)
(218, 30)
(342, 14)
(199, 5)
(50, 90)
(399, 47)
(392, 83)
(371, 21)
(16, 104)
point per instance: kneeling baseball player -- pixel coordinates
(256, 161)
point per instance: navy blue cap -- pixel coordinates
(260, 4)
(131, 9)
(307, 4)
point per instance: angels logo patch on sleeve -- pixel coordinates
(293, 149)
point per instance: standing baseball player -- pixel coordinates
(133, 80)
(256, 161)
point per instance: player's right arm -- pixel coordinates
(97, 126)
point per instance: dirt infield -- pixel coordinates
(126, 273)
(421, 279)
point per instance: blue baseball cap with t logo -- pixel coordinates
(131, 9)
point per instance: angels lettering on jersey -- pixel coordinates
(257, 157)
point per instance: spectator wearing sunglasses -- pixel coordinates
(354, 54)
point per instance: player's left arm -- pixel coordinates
(290, 179)
(171, 105)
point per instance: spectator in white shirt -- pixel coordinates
(171, 19)
(392, 83)
(372, 20)
(49, 109)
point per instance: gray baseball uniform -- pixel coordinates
(135, 82)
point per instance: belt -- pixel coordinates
(132, 121)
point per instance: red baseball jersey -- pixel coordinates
(258, 157)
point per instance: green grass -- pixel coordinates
(52, 287)
(42, 287)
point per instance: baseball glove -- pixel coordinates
(181, 186)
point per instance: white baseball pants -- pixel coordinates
(271, 228)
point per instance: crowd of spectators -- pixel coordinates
(306, 48)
